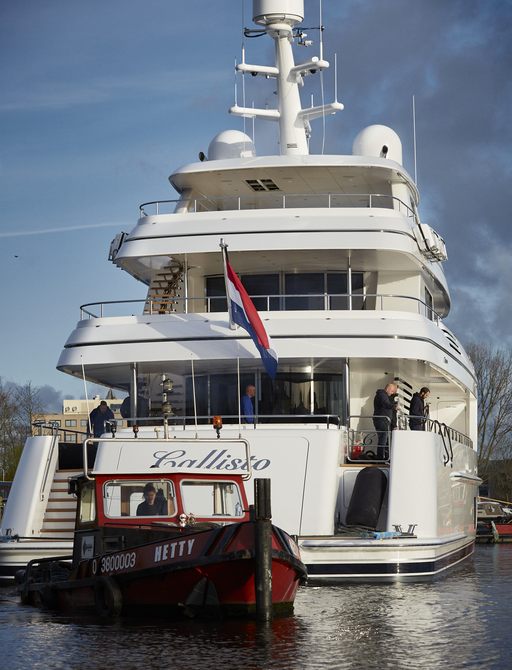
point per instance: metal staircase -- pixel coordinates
(165, 290)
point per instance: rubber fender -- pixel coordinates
(366, 501)
(108, 598)
(48, 597)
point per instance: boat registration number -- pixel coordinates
(115, 562)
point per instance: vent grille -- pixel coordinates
(262, 184)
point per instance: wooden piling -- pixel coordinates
(263, 543)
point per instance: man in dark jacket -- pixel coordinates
(154, 504)
(417, 409)
(383, 405)
(98, 416)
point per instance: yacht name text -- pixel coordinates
(216, 459)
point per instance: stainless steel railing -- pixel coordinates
(362, 442)
(275, 303)
(275, 200)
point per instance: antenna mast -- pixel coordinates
(279, 18)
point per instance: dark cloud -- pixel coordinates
(50, 398)
(455, 57)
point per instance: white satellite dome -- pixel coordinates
(230, 144)
(379, 141)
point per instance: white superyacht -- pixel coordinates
(350, 287)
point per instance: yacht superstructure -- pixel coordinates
(350, 286)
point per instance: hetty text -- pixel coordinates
(173, 550)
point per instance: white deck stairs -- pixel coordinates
(59, 517)
(164, 292)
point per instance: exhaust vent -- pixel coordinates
(262, 184)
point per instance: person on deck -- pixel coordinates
(247, 404)
(98, 416)
(417, 409)
(384, 405)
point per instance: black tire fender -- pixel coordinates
(108, 598)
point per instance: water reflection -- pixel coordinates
(458, 622)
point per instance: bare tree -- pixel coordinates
(19, 406)
(494, 373)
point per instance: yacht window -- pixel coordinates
(429, 305)
(211, 499)
(139, 498)
(309, 289)
(265, 285)
(337, 288)
(87, 503)
(302, 291)
(216, 294)
(217, 395)
(291, 393)
(301, 393)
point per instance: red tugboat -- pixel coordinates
(160, 535)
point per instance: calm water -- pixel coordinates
(463, 621)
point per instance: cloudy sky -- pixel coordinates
(101, 100)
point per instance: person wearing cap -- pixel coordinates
(98, 416)
(152, 505)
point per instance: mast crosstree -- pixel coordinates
(279, 18)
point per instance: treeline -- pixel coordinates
(19, 406)
(493, 368)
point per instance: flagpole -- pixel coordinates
(239, 397)
(86, 396)
(224, 250)
(194, 392)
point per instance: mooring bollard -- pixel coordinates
(263, 542)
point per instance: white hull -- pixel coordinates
(15, 554)
(336, 560)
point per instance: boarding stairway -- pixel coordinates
(164, 291)
(59, 517)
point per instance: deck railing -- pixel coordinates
(275, 200)
(271, 303)
(362, 442)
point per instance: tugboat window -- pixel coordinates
(211, 499)
(87, 503)
(139, 498)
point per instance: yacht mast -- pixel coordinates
(279, 18)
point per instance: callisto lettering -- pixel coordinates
(171, 550)
(216, 459)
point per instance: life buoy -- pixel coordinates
(108, 599)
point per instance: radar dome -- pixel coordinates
(230, 144)
(379, 141)
(266, 12)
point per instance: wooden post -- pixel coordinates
(263, 542)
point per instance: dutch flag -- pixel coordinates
(244, 313)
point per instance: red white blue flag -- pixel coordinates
(244, 313)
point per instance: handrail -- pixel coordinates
(184, 421)
(277, 200)
(55, 428)
(55, 439)
(327, 300)
(447, 433)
